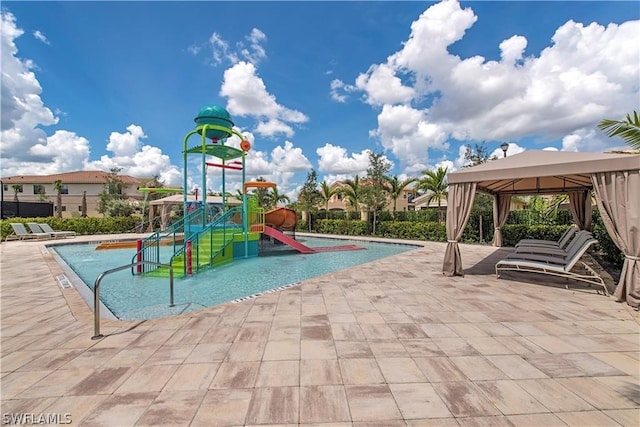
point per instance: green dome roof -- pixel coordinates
(213, 111)
(214, 115)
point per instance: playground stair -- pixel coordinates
(209, 248)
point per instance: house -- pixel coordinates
(338, 202)
(423, 202)
(35, 188)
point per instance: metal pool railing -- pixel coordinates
(96, 291)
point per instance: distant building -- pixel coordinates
(337, 202)
(422, 202)
(34, 188)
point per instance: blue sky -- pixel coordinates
(97, 85)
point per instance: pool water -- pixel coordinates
(138, 297)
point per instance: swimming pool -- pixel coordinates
(138, 297)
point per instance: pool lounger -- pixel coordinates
(560, 266)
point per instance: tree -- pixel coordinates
(482, 203)
(326, 192)
(42, 194)
(113, 190)
(262, 195)
(353, 192)
(395, 187)
(477, 155)
(309, 196)
(274, 197)
(238, 195)
(57, 186)
(84, 205)
(118, 207)
(376, 192)
(16, 189)
(115, 186)
(435, 182)
(628, 130)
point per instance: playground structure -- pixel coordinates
(204, 236)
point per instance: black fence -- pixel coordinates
(26, 209)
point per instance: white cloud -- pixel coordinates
(407, 132)
(334, 160)
(247, 95)
(23, 111)
(220, 49)
(40, 36)
(278, 166)
(429, 95)
(63, 151)
(136, 159)
(274, 127)
(338, 89)
(250, 50)
(126, 144)
(382, 86)
(255, 52)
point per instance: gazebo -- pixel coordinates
(613, 177)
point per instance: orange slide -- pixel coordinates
(281, 218)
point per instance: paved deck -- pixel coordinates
(388, 343)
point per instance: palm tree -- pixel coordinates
(16, 189)
(435, 182)
(628, 130)
(396, 187)
(274, 197)
(57, 186)
(353, 192)
(84, 204)
(326, 192)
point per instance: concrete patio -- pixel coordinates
(388, 343)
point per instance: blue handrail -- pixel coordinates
(150, 250)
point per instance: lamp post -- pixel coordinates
(504, 146)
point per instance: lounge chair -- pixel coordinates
(557, 265)
(578, 239)
(560, 243)
(21, 233)
(56, 233)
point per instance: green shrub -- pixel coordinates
(424, 215)
(471, 233)
(607, 249)
(513, 233)
(432, 231)
(343, 227)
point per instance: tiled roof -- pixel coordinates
(78, 177)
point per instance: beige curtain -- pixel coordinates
(152, 214)
(501, 205)
(618, 198)
(580, 205)
(165, 215)
(459, 205)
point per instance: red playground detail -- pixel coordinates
(304, 249)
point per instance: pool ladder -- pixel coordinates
(96, 291)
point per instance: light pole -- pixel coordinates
(504, 146)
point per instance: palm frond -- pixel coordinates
(628, 130)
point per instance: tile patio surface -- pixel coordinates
(388, 343)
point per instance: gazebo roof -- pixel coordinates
(543, 172)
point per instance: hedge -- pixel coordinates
(342, 227)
